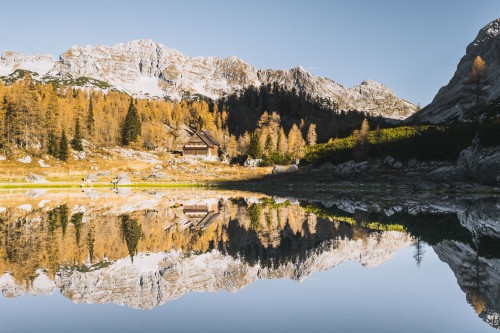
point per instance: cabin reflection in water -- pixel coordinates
(200, 214)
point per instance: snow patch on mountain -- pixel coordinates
(12, 61)
(146, 69)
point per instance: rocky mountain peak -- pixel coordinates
(491, 30)
(147, 69)
(454, 101)
(371, 83)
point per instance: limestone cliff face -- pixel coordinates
(147, 69)
(453, 100)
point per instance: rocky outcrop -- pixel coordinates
(345, 170)
(36, 179)
(454, 100)
(252, 162)
(476, 163)
(481, 164)
(448, 174)
(36, 63)
(280, 169)
(9, 287)
(392, 162)
(121, 179)
(147, 69)
(481, 217)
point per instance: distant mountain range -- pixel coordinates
(146, 69)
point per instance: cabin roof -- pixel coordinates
(206, 137)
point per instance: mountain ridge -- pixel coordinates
(455, 101)
(147, 69)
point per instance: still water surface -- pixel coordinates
(184, 261)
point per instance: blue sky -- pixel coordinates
(412, 47)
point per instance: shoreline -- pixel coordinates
(74, 185)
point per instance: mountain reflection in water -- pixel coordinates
(146, 248)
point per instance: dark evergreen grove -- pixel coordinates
(132, 125)
(53, 148)
(246, 108)
(131, 231)
(76, 143)
(90, 118)
(255, 147)
(63, 147)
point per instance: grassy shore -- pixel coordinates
(153, 170)
(64, 185)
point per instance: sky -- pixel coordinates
(411, 46)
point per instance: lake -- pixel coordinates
(191, 260)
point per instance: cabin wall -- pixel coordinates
(195, 151)
(214, 151)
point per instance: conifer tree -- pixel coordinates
(269, 146)
(132, 125)
(255, 148)
(63, 147)
(53, 148)
(361, 141)
(90, 119)
(477, 81)
(131, 231)
(296, 142)
(282, 143)
(76, 143)
(311, 135)
(9, 119)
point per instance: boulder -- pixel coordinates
(413, 163)
(362, 167)
(347, 169)
(43, 164)
(36, 179)
(393, 163)
(156, 176)
(292, 168)
(397, 165)
(481, 164)
(251, 162)
(448, 174)
(121, 179)
(328, 167)
(90, 178)
(279, 169)
(389, 160)
(26, 159)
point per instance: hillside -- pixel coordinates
(457, 100)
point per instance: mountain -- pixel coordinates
(153, 279)
(455, 100)
(146, 69)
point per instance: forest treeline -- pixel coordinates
(50, 118)
(422, 142)
(245, 110)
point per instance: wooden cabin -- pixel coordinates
(200, 214)
(201, 144)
